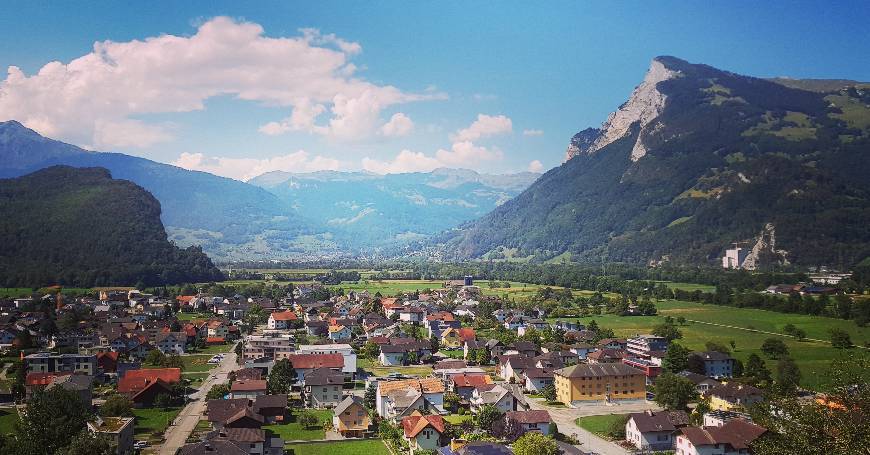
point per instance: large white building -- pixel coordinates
(734, 257)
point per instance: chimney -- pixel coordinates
(649, 412)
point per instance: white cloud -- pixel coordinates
(248, 168)
(95, 99)
(405, 161)
(536, 166)
(485, 125)
(461, 155)
(533, 132)
(399, 125)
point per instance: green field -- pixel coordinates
(8, 417)
(363, 446)
(214, 349)
(14, 293)
(153, 420)
(292, 431)
(690, 287)
(813, 358)
(457, 419)
(185, 317)
(599, 425)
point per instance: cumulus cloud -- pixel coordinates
(96, 99)
(484, 126)
(533, 132)
(536, 166)
(399, 125)
(461, 155)
(405, 161)
(247, 168)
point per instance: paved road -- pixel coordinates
(184, 424)
(589, 442)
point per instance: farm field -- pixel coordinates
(813, 358)
(292, 431)
(352, 447)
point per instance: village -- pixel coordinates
(448, 370)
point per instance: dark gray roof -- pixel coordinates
(351, 399)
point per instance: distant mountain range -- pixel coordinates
(696, 159)
(281, 215)
(80, 227)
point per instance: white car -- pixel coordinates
(139, 445)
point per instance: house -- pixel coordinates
(282, 320)
(719, 418)
(523, 422)
(273, 408)
(537, 379)
(452, 338)
(351, 419)
(732, 396)
(462, 447)
(81, 385)
(396, 399)
(649, 369)
(171, 342)
(642, 345)
(613, 343)
(317, 328)
(250, 389)
(346, 351)
(605, 355)
(48, 362)
(118, 431)
(716, 364)
(423, 432)
(654, 430)
(702, 383)
(526, 348)
(305, 363)
(143, 386)
(411, 314)
(610, 381)
(339, 332)
(464, 384)
(322, 388)
(733, 438)
(511, 367)
(503, 397)
(232, 413)
(107, 362)
(236, 441)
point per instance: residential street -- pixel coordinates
(565, 417)
(184, 424)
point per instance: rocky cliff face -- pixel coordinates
(643, 107)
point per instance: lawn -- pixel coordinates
(292, 431)
(196, 379)
(366, 446)
(153, 420)
(184, 317)
(214, 349)
(377, 370)
(14, 293)
(8, 417)
(197, 363)
(813, 358)
(599, 425)
(457, 419)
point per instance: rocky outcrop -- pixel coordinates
(764, 250)
(642, 108)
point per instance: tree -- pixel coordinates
(593, 326)
(451, 401)
(756, 369)
(696, 365)
(281, 378)
(681, 320)
(676, 358)
(371, 395)
(534, 443)
(616, 429)
(788, 375)
(52, 419)
(370, 350)
(549, 393)
(436, 343)
(840, 339)
(716, 347)
(162, 400)
(218, 392)
(669, 331)
(774, 348)
(482, 356)
(155, 357)
(674, 392)
(307, 419)
(488, 415)
(117, 405)
(86, 443)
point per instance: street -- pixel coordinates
(565, 417)
(177, 433)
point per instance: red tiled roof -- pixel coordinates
(284, 316)
(469, 380)
(306, 361)
(536, 416)
(185, 298)
(248, 385)
(414, 424)
(215, 340)
(136, 380)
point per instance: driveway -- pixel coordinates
(183, 425)
(589, 442)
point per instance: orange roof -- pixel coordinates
(215, 340)
(471, 380)
(248, 385)
(284, 316)
(43, 378)
(308, 361)
(414, 424)
(185, 298)
(426, 385)
(336, 328)
(166, 374)
(467, 334)
(441, 316)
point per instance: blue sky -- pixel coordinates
(493, 86)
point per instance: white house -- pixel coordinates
(171, 342)
(423, 432)
(504, 398)
(654, 430)
(538, 421)
(339, 332)
(281, 320)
